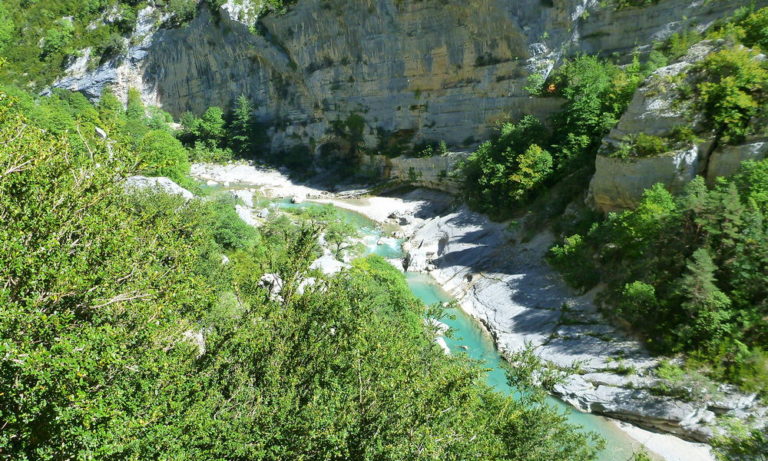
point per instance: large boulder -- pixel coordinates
(726, 159)
(657, 109)
(619, 184)
(662, 108)
(160, 184)
(639, 406)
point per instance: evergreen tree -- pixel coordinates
(135, 108)
(242, 127)
(703, 301)
(211, 127)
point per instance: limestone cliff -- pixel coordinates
(414, 70)
(660, 109)
(432, 172)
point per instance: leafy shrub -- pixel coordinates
(183, 11)
(57, 38)
(112, 46)
(508, 167)
(680, 43)
(756, 29)
(228, 229)
(202, 152)
(648, 145)
(740, 443)
(732, 88)
(573, 259)
(6, 27)
(430, 149)
(163, 155)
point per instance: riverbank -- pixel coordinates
(503, 283)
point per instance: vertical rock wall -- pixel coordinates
(414, 70)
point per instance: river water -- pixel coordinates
(470, 338)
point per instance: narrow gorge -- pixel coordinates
(384, 229)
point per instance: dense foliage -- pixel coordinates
(217, 137)
(124, 335)
(733, 91)
(688, 271)
(524, 156)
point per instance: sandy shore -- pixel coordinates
(272, 183)
(667, 447)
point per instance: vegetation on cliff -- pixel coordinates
(40, 37)
(507, 171)
(689, 272)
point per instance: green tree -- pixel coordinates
(756, 29)
(6, 28)
(57, 38)
(242, 129)
(703, 301)
(111, 110)
(183, 10)
(508, 166)
(211, 127)
(596, 94)
(163, 155)
(730, 92)
(135, 109)
(533, 167)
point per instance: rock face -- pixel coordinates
(618, 184)
(414, 70)
(657, 109)
(432, 172)
(725, 160)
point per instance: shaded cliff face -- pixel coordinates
(414, 70)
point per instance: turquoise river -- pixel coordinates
(468, 336)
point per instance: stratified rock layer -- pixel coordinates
(414, 70)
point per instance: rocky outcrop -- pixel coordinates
(726, 160)
(414, 70)
(507, 286)
(159, 184)
(619, 184)
(432, 172)
(660, 109)
(640, 407)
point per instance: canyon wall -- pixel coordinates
(413, 70)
